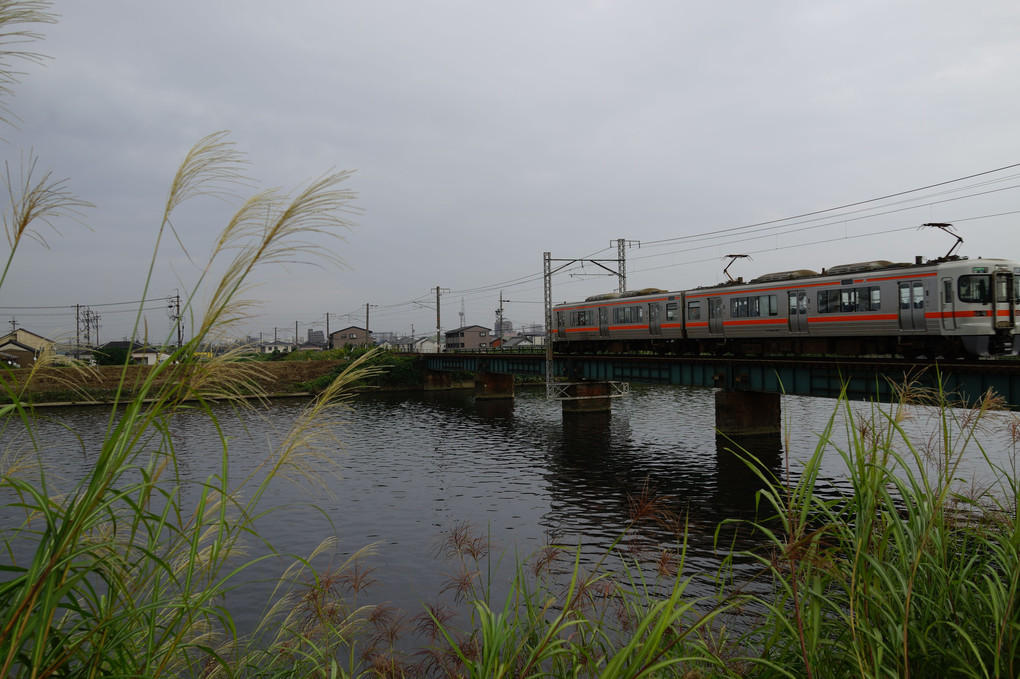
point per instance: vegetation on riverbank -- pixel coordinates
(395, 371)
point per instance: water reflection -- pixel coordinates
(413, 465)
(740, 463)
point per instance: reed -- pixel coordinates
(125, 572)
(912, 574)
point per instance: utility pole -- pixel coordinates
(621, 259)
(439, 291)
(295, 334)
(174, 303)
(499, 321)
(368, 328)
(547, 272)
(547, 285)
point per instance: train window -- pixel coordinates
(694, 311)
(850, 300)
(828, 301)
(1001, 289)
(768, 305)
(947, 291)
(671, 312)
(753, 308)
(738, 308)
(628, 314)
(561, 319)
(847, 300)
(974, 289)
(581, 318)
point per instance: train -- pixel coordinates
(950, 308)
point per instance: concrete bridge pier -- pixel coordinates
(434, 380)
(494, 385)
(588, 397)
(747, 413)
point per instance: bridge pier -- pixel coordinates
(588, 397)
(435, 380)
(494, 385)
(747, 413)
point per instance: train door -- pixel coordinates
(603, 321)
(797, 300)
(911, 305)
(655, 318)
(715, 316)
(948, 305)
(1003, 304)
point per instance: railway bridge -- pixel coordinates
(749, 388)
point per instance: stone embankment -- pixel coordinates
(68, 384)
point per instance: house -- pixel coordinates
(138, 353)
(350, 336)
(512, 342)
(148, 356)
(411, 345)
(21, 347)
(425, 345)
(270, 347)
(38, 343)
(16, 354)
(468, 337)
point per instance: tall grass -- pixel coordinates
(125, 572)
(912, 574)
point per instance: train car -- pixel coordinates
(950, 308)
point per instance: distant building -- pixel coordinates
(503, 326)
(316, 337)
(517, 341)
(468, 337)
(350, 336)
(425, 345)
(29, 338)
(270, 347)
(21, 347)
(16, 354)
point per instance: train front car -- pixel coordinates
(978, 300)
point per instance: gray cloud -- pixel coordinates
(484, 134)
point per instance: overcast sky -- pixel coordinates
(484, 134)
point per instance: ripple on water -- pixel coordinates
(413, 466)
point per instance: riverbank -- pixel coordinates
(65, 385)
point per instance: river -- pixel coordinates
(413, 466)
